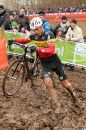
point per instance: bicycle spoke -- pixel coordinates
(13, 78)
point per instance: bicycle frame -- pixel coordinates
(30, 72)
(21, 70)
(28, 49)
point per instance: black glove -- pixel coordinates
(10, 42)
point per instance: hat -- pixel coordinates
(41, 13)
(14, 23)
(1, 7)
(74, 21)
(64, 18)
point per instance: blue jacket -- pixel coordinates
(46, 25)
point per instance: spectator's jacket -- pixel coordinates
(63, 27)
(23, 21)
(46, 25)
(75, 34)
(14, 23)
(5, 20)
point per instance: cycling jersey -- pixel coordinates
(45, 37)
(49, 59)
(45, 47)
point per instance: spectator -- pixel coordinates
(14, 26)
(4, 18)
(64, 25)
(22, 20)
(74, 32)
(46, 24)
(59, 34)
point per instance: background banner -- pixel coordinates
(69, 52)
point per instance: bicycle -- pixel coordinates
(21, 70)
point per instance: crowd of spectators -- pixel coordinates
(52, 10)
(19, 22)
(59, 10)
(66, 10)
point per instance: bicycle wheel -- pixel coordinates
(36, 77)
(13, 78)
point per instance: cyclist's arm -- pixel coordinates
(50, 38)
(25, 40)
(52, 41)
(22, 40)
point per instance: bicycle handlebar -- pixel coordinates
(27, 49)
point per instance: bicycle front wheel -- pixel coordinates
(13, 78)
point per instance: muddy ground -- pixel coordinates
(28, 111)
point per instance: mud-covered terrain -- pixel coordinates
(28, 111)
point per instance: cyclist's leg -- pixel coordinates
(49, 84)
(65, 83)
(69, 87)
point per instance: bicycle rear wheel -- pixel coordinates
(13, 78)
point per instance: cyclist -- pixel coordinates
(48, 57)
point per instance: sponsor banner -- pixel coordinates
(69, 52)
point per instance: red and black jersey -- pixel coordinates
(46, 47)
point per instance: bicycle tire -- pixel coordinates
(13, 78)
(36, 79)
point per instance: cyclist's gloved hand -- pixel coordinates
(10, 42)
(33, 49)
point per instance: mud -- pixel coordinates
(30, 111)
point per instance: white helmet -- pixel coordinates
(35, 23)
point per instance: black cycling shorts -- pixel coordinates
(59, 70)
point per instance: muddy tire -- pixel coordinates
(13, 78)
